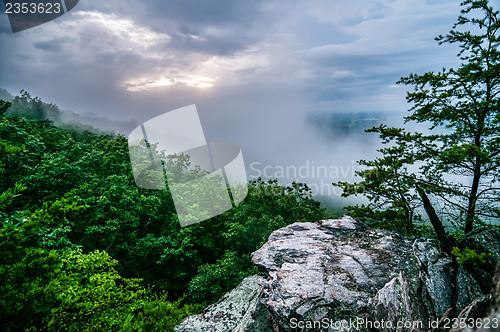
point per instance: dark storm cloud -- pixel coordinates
(202, 43)
(50, 46)
(4, 21)
(215, 27)
(201, 12)
(338, 73)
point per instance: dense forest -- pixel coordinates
(83, 248)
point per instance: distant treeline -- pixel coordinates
(33, 108)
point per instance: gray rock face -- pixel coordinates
(473, 311)
(468, 289)
(397, 302)
(494, 311)
(239, 310)
(436, 272)
(339, 271)
(330, 269)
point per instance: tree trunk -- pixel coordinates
(434, 219)
(471, 208)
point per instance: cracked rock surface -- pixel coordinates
(340, 271)
(238, 310)
(330, 269)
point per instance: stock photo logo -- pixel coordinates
(171, 151)
(27, 14)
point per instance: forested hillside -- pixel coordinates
(34, 108)
(83, 248)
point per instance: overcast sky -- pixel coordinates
(256, 69)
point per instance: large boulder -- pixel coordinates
(329, 270)
(467, 289)
(472, 315)
(477, 309)
(397, 302)
(436, 272)
(339, 275)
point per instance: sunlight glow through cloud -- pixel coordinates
(190, 81)
(201, 73)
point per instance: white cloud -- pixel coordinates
(113, 34)
(199, 71)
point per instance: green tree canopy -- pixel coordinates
(457, 163)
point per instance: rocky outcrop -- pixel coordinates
(475, 310)
(397, 302)
(339, 275)
(330, 269)
(238, 310)
(436, 273)
(481, 305)
(467, 289)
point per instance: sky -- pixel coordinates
(273, 76)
